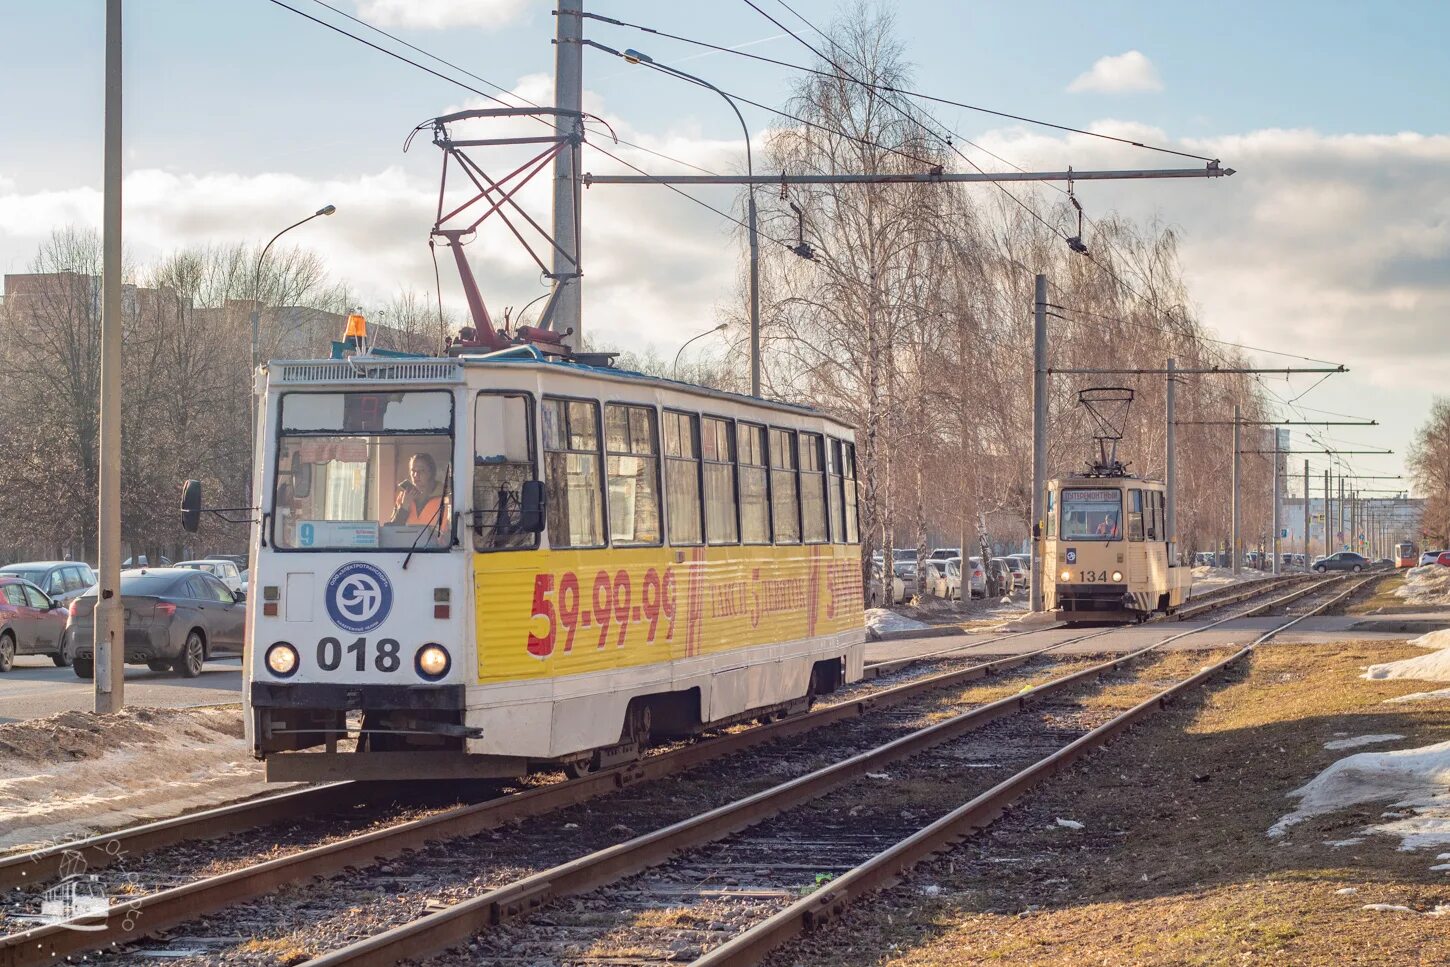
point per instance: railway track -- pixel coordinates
(169, 907)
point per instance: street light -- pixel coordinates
(636, 57)
(257, 323)
(675, 369)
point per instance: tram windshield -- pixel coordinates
(358, 471)
(1092, 514)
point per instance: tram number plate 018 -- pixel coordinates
(384, 652)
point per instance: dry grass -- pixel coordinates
(1380, 598)
(276, 950)
(1173, 865)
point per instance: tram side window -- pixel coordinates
(1051, 515)
(754, 486)
(503, 458)
(717, 443)
(836, 451)
(682, 477)
(1135, 515)
(853, 527)
(784, 510)
(1155, 517)
(632, 447)
(575, 512)
(813, 489)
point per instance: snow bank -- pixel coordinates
(1433, 666)
(1360, 740)
(1439, 693)
(1414, 779)
(1435, 639)
(1426, 585)
(75, 773)
(1207, 578)
(882, 620)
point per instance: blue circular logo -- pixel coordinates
(359, 597)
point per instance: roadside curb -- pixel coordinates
(942, 632)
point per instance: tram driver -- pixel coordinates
(420, 501)
(1108, 526)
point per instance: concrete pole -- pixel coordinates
(1340, 529)
(755, 290)
(1306, 513)
(1236, 551)
(1327, 533)
(1039, 436)
(568, 96)
(109, 656)
(1275, 542)
(1170, 463)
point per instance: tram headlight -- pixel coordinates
(1117, 577)
(282, 659)
(1067, 575)
(432, 661)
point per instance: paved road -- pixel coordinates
(35, 688)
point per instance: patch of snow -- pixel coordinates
(1434, 639)
(1069, 824)
(1209, 578)
(1429, 584)
(1440, 866)
(1387, 908)
(1433, 666)
(1347, 891)
(1419, 696)
(883, 776)
(1360, 740)
(1352, 841)
(1416, 780)
(882, 620)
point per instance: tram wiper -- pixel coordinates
(437, 518)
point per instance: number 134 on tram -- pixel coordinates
(486, 565)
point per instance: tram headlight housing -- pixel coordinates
(1067, 575)
(1117, 577)
(432, 661)
(282, 659)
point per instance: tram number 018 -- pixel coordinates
(330, 653)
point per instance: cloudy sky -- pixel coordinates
(1332, 241)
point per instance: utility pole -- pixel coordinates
(1327, 550)
(1306, 514)
(1170, 461)
(568, 97)
(1235, 550)
(109, 654)
(1340, 530)
(1039, 436)
(1278, 445)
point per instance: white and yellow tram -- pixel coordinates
(1107, 555)
(482, 565)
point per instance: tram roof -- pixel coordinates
(528, 357)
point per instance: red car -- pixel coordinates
(30, 623)
(1444, 558)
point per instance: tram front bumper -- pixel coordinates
(1094, 598)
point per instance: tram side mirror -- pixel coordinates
(531, 507)
(301, 477)
(191, 506)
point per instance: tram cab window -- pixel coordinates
(813, 489)
(754, 485)
(682, 477)
(503, 459)
(1135, 515)
(784, 510)
(574, 515)
(360, 471)
(1158, 525)
(633, 450)
(717, 444)
(1091, 514)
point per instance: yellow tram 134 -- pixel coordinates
(1107, 554)
(487, 564)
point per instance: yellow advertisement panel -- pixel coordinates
(547, 613)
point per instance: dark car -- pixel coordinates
(1019, 571)
(30, 623)
(1342, 561)
(999, 577)
(61, 580)
(176, 618)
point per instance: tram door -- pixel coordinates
(1139, 568)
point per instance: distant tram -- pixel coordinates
(1106, 552)
(495, 563)
(1406, 554)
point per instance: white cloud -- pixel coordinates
(437, 14)
(1119, 74)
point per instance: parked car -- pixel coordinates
(1000, 580)
(1443, 558)
(945, 553)
(875, 596)
(932, 580)
(977, 576)
(219, 568)
(1019, 571)
(176, 618)
(1430, 557)
(31, 623)
(1341, 561)
(61, 580)
(952, 572)
(141, 560)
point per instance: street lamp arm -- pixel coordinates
(675, 368)
(257, 270)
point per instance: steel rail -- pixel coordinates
(167, 908)
(455, 924)
(892, 865)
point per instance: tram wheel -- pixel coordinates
(581, 766)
